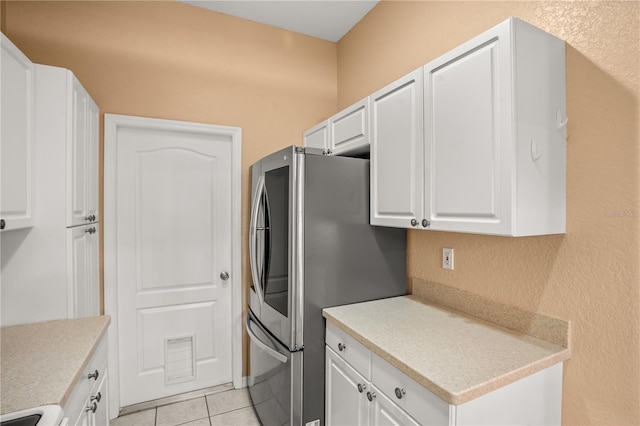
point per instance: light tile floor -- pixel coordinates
(230, 407)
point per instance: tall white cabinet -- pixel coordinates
(52, 271)
(16, 139)
(492, 155)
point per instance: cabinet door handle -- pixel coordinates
(2, 224)
(361, 387)
(414, 222)
(97, 398)
(426, 223)
(92, 408)
(341, 347)
(400, 393)
(371, 396)
(93, 375)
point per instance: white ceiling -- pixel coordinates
(325, 19)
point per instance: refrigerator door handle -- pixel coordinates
(253, 239)
(272, 352)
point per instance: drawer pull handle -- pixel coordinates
(370, 396)
(93, 407)
(97, 398)
(341, 347)
(93, 375)
(361, 387)
(400, 393)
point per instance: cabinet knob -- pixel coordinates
(97, 398)
(2, 223)
(400, 393)
(371, 396)
(414, 222)
(93, 375)
(91, 230)
(341, 347)
(361, 387)
(426, 223)
(92, 408)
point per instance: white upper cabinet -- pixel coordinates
(494, 135)
(317, 136)
(492, 158)
(16, 143)
(349, 130)
(82, 154)
(397, 167)
(346, 133)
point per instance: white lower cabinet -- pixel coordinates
(364, 389)
(89, 400)
(346, 398)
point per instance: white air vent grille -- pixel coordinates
(179, 359)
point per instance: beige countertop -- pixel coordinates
(456, 356)
(41, 363)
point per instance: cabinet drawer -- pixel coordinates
(352, 351)
(85, 386)
(416, 400)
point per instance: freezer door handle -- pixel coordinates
(253, 239)
(272, 352)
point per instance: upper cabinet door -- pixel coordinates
(349, 129)
(92, 172)
(397, 153)
(466, 122)
(494, 141)
(82, 154)
(16, 149)
(317, 137)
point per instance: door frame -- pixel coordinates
(111, 124)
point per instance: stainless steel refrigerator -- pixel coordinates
(310, 247)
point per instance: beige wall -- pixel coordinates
(174, 61)
(590, 275)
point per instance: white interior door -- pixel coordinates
(173, 226)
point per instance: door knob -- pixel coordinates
(224, 275)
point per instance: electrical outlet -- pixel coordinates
(447, 258)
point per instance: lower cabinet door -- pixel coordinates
(83, 279)
(385, 412)
(346, 389)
